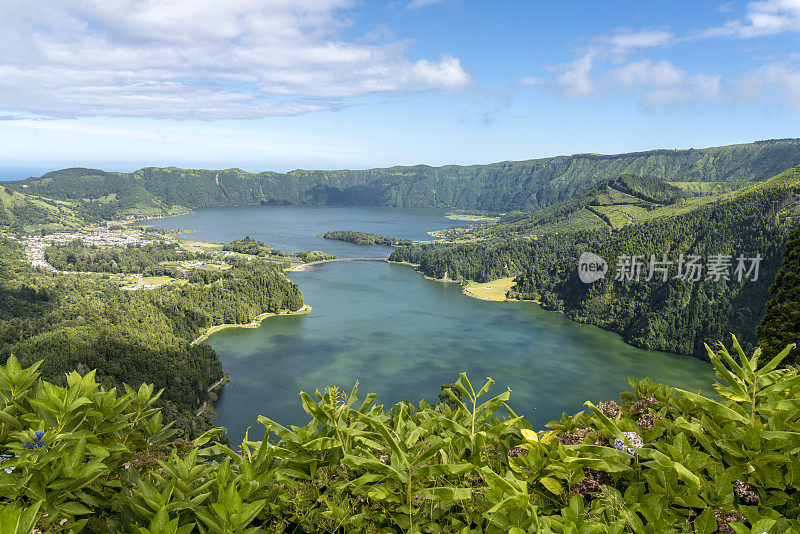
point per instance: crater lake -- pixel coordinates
(402, 335)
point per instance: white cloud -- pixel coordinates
(660, 83)
(575, 79)
(768, 17)
(613, 64)
(779, 80)
(416, 4)
(529, 80)
(198, 58)
(627, 41)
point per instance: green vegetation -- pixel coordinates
(148, 259)
(253, 247)
(781, 323)
(542, 250)
(82, 458)
(496, 290)
(86, 322)
(469, 215)
(365, 238)
(709, 188)
(497, 187)
(22, 212)
(314, 255)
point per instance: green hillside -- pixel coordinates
(25, 213)
(86, 322)
(542, 251)
(498, 187)
(20, 212)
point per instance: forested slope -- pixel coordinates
(676, 315)
(505, 186)
(86, 322)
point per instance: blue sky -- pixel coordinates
(279, 84)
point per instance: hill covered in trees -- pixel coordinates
(781, 323)
(86, 322)
(499, 187)
(543, 249)
(365, 238)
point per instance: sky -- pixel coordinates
(281, 84)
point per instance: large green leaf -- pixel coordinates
(714, 408)
(445, 493)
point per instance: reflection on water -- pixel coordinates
(402, 336)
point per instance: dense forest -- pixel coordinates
(83, 459)
(86, 322)
(146, 259)
(254, 247)
(781, 323)
(365, 238)
(505, 186)
(677, 315)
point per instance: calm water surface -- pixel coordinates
(296, 228)
(401, 335)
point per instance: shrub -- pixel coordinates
(699, 464)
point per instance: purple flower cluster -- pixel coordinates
(634, 439)
(590, 483)
(642, 405)
(575, 437)
(609, 408)
(745, 492)
(725, 517)
(646, 419)
(517, 451)
(37, 441)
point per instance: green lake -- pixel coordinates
(401, 335)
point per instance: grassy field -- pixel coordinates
(494, 290)
(158, 280)
(213, 267)
(472, 217)
(710, 188)
(200, 246)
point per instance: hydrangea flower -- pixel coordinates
(646, 420)
(746, 492)
(517, 451)
(575, 437)
(725, 518)
(644, 404)
(37, 441)
(633, 438)
(590, 483)
(3, 458)
(609, 408)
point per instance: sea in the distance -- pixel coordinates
(401, 335)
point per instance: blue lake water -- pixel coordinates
(402, 335)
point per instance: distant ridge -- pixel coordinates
(500, 187)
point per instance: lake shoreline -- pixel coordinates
(469, 288)
(255, 323)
